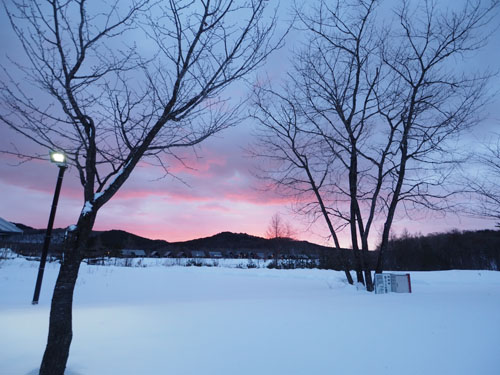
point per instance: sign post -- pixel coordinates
(390, 282)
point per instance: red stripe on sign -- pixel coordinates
(409, 281)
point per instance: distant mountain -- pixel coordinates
(119, 239)
(452, 250)
(25, 228)
(114, 240)
(226, 241)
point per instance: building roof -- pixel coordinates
(8, 227)
(197, 254)
(133, 252)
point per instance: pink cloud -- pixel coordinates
(220, 194)
(214, 207)
(39, 176)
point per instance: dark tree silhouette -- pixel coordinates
(112, 84)
(483, 182)
(367, 118)
(279, 230)
(432, 100)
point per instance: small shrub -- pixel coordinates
(252, 264)
(128, 262)
(194, 262)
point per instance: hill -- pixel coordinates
(120, 239)
(438, 251)
(225, 241)
(113, 241)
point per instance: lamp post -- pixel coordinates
(58, 158)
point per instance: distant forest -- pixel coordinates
(474, 250)
(441, 251)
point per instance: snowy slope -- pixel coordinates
(179, 320)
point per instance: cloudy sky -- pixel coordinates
(219, 192)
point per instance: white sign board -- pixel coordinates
(382, 283)
(401, 283)
(389, 282)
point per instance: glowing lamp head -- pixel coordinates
(58, 158)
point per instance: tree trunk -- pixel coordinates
(367, 270)
(60, 326)
(353, 185)
(383, 247)
(60, 322)
(348, 276)
(359, 273)
(394, 202)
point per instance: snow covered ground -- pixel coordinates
(214, 320)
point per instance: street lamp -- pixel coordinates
(59, 159)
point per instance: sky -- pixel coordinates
(218, 193)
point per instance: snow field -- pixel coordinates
(192, 320)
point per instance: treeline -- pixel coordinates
(442, 251)
(439, 251)
(474, 250)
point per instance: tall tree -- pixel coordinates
(330, 102)
(111, 84)
(367, 116)
(296, 164)
(434, 100)
(279, 230)
(483, 184)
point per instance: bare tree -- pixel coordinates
(279, 230)
(484, 184)
(367, 117)
(341, 104)
(433, 100)
(330, 103)
(295, 163)
(111, 84)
